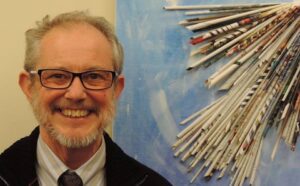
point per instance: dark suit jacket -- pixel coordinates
(17, 166)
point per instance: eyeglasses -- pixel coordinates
(62, 79)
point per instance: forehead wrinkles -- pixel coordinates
(76, 42)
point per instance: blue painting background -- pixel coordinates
(159, 93)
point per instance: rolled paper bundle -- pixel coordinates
(263, 88)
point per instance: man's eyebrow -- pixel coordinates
(83, 69)
(98, 68)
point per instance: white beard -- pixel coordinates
(106, 116)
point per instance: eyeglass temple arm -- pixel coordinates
(33, 72)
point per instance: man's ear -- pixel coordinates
(26, 84)
(120, 83)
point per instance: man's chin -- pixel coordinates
(76, 140)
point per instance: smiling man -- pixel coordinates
(72, 78)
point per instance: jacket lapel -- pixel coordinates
(120, 168)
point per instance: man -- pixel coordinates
(72, 79)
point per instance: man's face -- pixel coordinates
(74, 116)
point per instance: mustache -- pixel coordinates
(82, 105)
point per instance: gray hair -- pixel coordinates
(35, 35)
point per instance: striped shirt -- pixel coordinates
(49, 167)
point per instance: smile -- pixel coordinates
(74, 113)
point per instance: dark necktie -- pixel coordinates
(69, 178)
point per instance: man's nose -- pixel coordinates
(76, 91)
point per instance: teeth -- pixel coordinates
(75, 113)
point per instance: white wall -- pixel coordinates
(15, 17)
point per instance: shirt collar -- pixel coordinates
(49, 166)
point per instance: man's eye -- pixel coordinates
(57, 76)
(95, 76)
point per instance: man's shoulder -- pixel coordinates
(148, 175)
(23, 145)
(121, 166)
(18, 159)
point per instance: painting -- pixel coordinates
(160, 93)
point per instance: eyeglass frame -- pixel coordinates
(74, 74)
